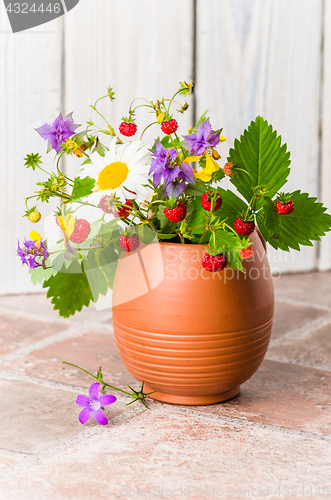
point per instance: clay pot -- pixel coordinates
(196, 336)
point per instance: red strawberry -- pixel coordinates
(128, 129)
(176, 214)
(246, 253)
(227, 169)
(123, 211)
(214, 263)
(206, 201)
(244, 228)
(284, 208)
(81, 231)
(169, 127)
(107, 205)
(129, 243)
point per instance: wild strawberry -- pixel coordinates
(284, 208)
(227, 169)
(246, 253)
(129, 243)
(81, 231)
(176, 214)
(169, 127)
(244, 228)
(108, 205)
(206, 201)
(123, 211)
(34, 216)
(128, 129)
(214, 263)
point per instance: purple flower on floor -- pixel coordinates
(30, 251)
(57, 133)
(93, 403)
(203, 139)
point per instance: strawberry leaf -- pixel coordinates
(261, 158)
(232, 206)
(229, 245)
(307, 223)
(70, 290)
(82, 187)
(271, 217)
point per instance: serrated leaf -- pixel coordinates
(70, 290)
(225, 242)
(259, 152)
(82, 187)
(307, 223)
(39, 274)
(271, 216)
(231, 207)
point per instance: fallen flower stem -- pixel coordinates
(137, 396)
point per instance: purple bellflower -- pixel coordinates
(175, 176)
(30, 251)
(93, 403)
(203, 139)
(57, 133)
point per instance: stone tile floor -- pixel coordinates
(272, 441)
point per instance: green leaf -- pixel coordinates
(97, 279)
(82, 187)
(166, 236)
(307, 223)
(262, 157)
(39, 274)
(270, 216)
(197, 189)
(232, 206)
(225, 242)
(70, 290)
(107, 260)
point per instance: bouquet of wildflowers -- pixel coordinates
(124, 193)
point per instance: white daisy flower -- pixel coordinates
(121, 173)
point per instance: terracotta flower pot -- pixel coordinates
(197, 335)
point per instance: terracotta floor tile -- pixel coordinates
(17, 331)
(40, 305)
(309, 287)
(314, 348)
(283, 395)
(9, 459)
(35, 418)
(170, 449)
(89, 351)
(288, 317)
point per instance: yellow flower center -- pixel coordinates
(112, 175)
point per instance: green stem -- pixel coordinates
(153, 123)
(101, 382)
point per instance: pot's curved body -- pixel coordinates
(197, 335)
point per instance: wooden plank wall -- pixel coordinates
(252, 57)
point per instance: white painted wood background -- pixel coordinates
(247, 57)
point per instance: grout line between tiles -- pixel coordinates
(292, 361)
(76, 331)
(302, 303)
(31, 460)
(302, 331)
(251, 423)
